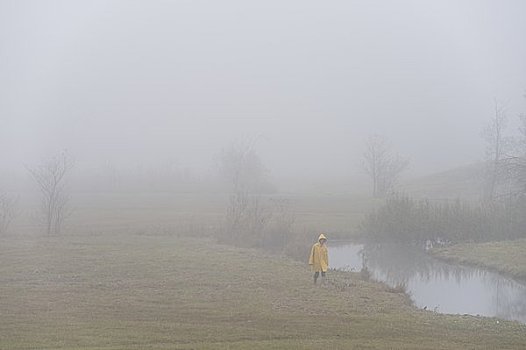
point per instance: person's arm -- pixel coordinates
(311, 257)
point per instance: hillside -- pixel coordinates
(462, 182)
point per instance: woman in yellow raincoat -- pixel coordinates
(319, 258)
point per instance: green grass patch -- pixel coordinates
(507, 257)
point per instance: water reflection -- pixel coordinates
(434, 284)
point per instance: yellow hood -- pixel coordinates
(322, 236)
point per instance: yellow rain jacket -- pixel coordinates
(319, 257)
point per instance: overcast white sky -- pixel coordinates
(147, 81)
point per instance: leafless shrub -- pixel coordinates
(259, 221)
(245, 219)
(253, 217)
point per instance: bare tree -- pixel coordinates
(242, 168)
(505, 157)
(374, 158)
(517, 162)
(50, 177)
(497, 146)
(7, 211)
(382, 166)
(249, 214)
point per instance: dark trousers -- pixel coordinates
(317, 274)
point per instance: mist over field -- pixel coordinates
(172, 83)
(190, 174)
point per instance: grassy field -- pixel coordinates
(508, 257)
(113, 290)
(142, 271)
(335, 214)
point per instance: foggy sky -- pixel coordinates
(152, 81)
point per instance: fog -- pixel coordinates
(162, 82)
(177, 173)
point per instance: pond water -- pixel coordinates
(433, 284)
